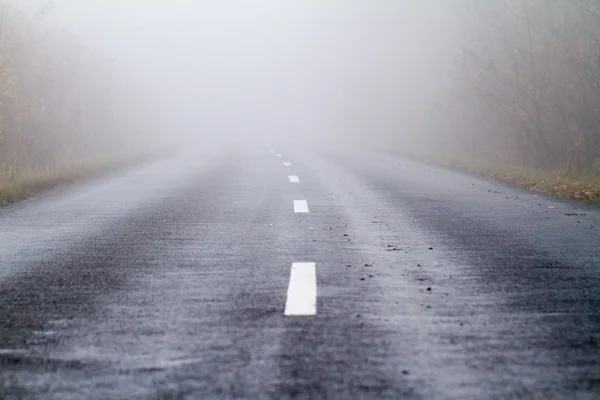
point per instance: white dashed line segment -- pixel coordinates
(302, 290)
(279, 155)
(287, 164)
(293, 179)
(300, 206)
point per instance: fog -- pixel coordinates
(458, 76)
(250, 69)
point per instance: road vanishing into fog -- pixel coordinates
(298, 272)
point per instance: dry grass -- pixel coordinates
(558, 183)
(585, 188)
(33, 181)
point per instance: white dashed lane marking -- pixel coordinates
(287, 164)
(300, 206)
(293, 179)
(302, 290)
(279, 155)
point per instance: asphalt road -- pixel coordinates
(193, 276)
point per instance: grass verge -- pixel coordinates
(34, 181)
(584, 188)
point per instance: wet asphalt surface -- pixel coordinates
(169, 281)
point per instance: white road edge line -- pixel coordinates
(302, 290)
(279, 155)
(287, 164)
(293, 179)
(300, 206)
